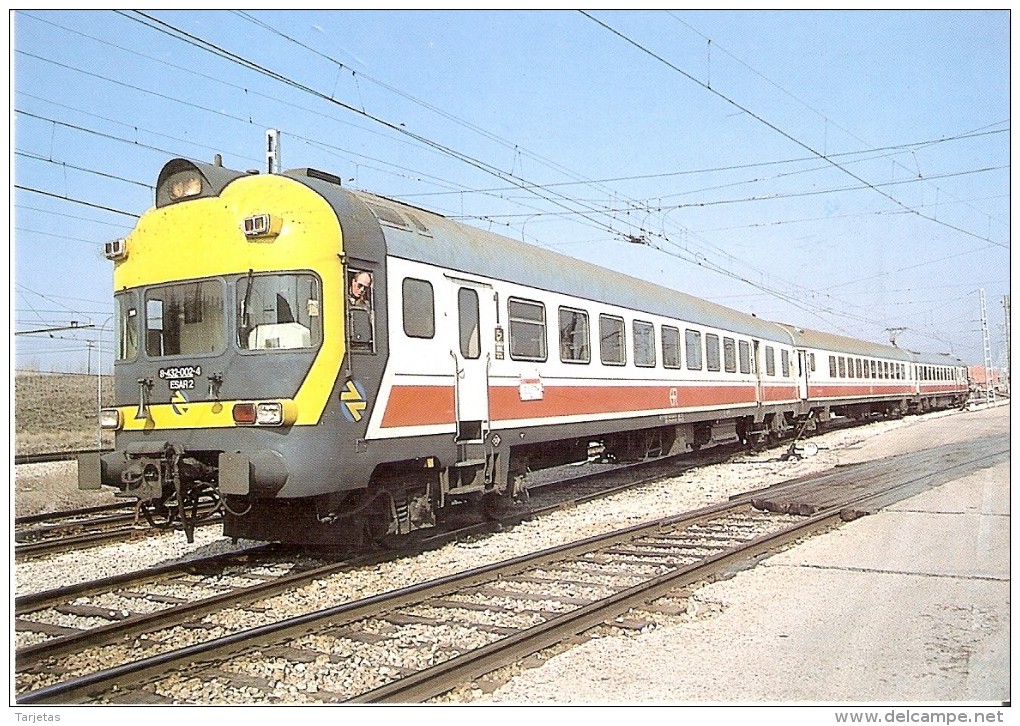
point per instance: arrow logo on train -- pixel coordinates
(177, 402)
(353, 398)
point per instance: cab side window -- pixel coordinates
(360, 311)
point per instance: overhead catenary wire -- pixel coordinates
(617, 227)
(785, 134)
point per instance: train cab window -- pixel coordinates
(527, 330)
(185, 319)
(744, 349)
(575, 339)
(127, 317)
(360, 311)
(419, 303)
(278, 312)
(784, 359)
(712, 352)
(612, 345)
(729, 347)
(468, 322)
(670, 346)
(770, 360)
(692, 340)
(644, 344)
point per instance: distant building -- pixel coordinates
(981, 377)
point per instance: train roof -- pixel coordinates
(842, 344)
(935, 359)
(419, 235)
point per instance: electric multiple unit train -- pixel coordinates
(325, 366)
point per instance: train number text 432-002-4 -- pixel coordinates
(180, 378)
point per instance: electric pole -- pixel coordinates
(989, 388)
(1005, 305)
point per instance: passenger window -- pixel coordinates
(419, 308)
(770, 360)
(527, 330)
(468, 321)
(729, 355)
(644, 344)
(612, 348)
(785, 362)
(670, 346)
(842, 367)
(693, 344)
(575, 340)
(832, 366)
(712, 351)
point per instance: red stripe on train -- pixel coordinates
(431, 405)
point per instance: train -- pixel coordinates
(323, 366)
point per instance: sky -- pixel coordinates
(842, 171)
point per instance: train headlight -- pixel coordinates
(261, 225)
(269, 414)
(115, 249)
(185, 184)
(110, 418)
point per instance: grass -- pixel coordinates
(57, 412)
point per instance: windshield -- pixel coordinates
(185, 319)
(278, 312)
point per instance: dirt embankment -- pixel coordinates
(56, 412)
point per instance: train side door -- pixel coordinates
(802, 374)
(759, 391)
(471, 357)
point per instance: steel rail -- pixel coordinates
(47, 457)
(58, 544)
(69, 513)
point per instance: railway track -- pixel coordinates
(45, 534)
(51, 623)
(417, 642)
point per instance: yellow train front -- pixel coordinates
(238, 299)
